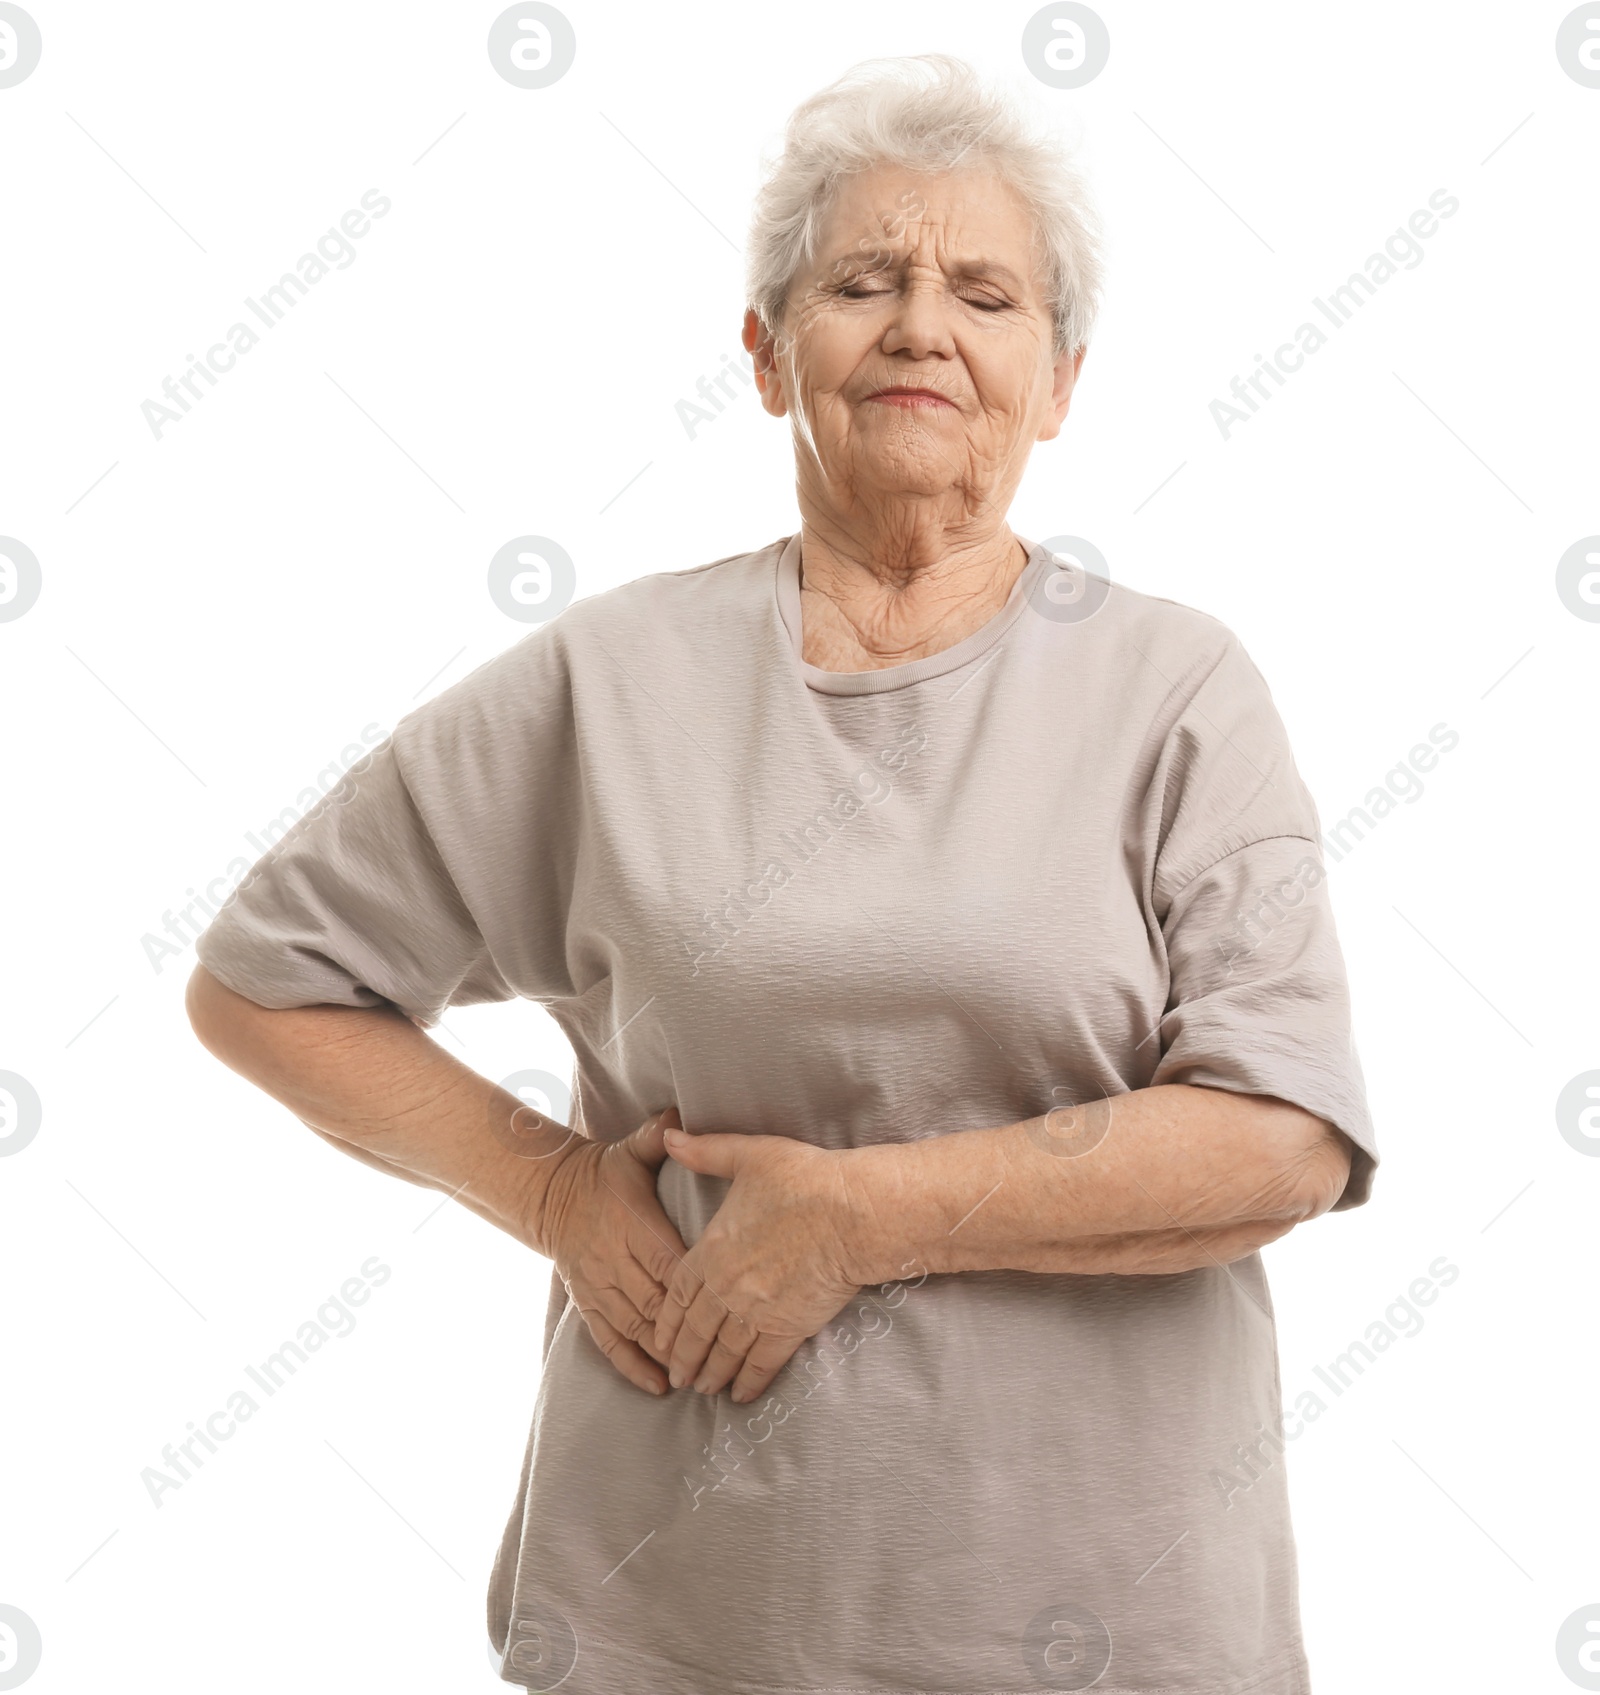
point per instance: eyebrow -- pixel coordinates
(989, 268)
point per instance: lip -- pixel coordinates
(898, 395)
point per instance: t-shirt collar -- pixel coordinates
(939, 664)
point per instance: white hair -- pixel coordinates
(890, 111)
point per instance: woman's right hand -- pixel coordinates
(614, 1247)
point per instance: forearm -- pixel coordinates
(1153, 1180)
(365, 1156)
(374, 1085)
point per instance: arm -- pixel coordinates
(371, 1083)
(368, 1081)
(1159, 1180)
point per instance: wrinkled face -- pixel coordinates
(916, 355)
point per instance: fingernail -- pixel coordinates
(702, 1385)
(676, 1378)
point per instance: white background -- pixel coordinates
(305, 554)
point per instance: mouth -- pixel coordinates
(901, 395)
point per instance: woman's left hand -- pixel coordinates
(770, 1269)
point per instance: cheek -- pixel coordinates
(1001, 403)
(821, 368)
(1012, 384)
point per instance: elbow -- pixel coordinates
(196, 1002)
(1316, 1178)
(209, 1005)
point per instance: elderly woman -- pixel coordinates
(942, 938)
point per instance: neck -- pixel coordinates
(900, 591)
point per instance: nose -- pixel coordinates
(919, 326)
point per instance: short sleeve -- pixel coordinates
(1259, 999)
(354, 906)
(438, 872)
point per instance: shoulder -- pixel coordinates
(679, 615)
(1158, 656)
(1174, 688)
(732, 586)
(1221, 760)
(686, 613)
(1168, 629)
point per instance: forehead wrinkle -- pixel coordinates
(890, 258)
(900, 253)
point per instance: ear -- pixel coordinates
(1065, 379)
(763, 349)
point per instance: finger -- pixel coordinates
(712, 1154)
(664, 1338)
(728, 1353)
(696, 1335)
(766, 1359)
(628, 1357)
(654, 1242)
(638, 1299)
(682, 1289)
(650, 1235)
(642, 1291)
(614, 1305)
(647, 1144)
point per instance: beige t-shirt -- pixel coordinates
(1068, 857)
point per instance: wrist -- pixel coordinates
(922, 1207)
(876, 1243)
(541, 1175)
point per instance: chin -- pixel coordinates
(910, 472)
